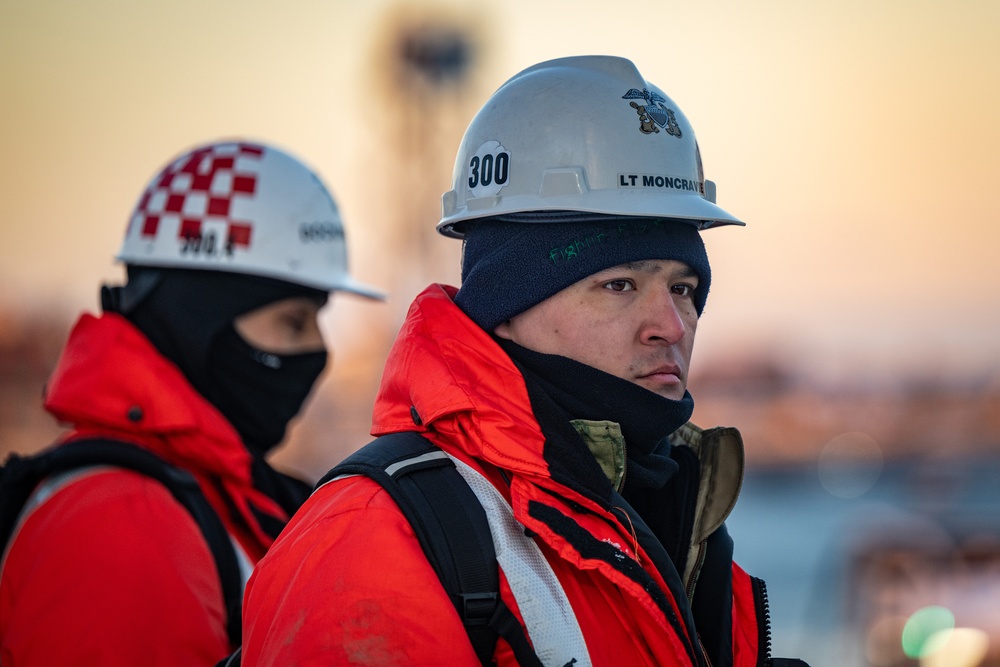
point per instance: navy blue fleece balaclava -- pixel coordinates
(509, 266)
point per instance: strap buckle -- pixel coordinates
(478, 608)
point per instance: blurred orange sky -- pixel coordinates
(859, 140)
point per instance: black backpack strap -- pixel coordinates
(20, 475)
(453, 531)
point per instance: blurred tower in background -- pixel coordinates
(421, 84)
(426, 63)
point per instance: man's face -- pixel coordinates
(636, 321)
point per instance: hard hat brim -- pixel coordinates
(693, 209)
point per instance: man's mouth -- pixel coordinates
(668, 374)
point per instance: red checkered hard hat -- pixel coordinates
(244, 208)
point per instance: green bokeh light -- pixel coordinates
(922, 625)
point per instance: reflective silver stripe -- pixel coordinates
(243, 560)
(406, 463)
(45, 490)
(392, 469)
(334, 479)
(49, 486)
(551, 624)
(55, 483)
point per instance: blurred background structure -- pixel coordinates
(853, 331)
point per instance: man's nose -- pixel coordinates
(663, 320)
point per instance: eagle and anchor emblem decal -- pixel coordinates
(653, 114)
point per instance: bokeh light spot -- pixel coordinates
(961, 647)
(924, 624)
(850, 464)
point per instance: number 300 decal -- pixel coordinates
(489, 169)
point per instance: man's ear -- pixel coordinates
(502, 330)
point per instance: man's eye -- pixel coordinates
(683, 290)
(620, 285)
(295, 323)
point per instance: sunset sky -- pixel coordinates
(859, 140)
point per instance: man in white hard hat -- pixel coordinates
(555, 379)
(192, 372)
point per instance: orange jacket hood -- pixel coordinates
(110, 379)
(445, 374)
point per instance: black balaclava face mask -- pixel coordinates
(259, 392)
(189, 317)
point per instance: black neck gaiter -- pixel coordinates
(258, 392)
(579, 391)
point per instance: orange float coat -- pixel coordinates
(110, 569)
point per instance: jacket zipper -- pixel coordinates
(695, 571)
(763, 610)
(621, 482)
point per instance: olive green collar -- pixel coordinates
(605, 441)
(720, 451)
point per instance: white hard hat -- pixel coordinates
(584, 134)
(245, 208)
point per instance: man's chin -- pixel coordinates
(674, 395)
(674, 392)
